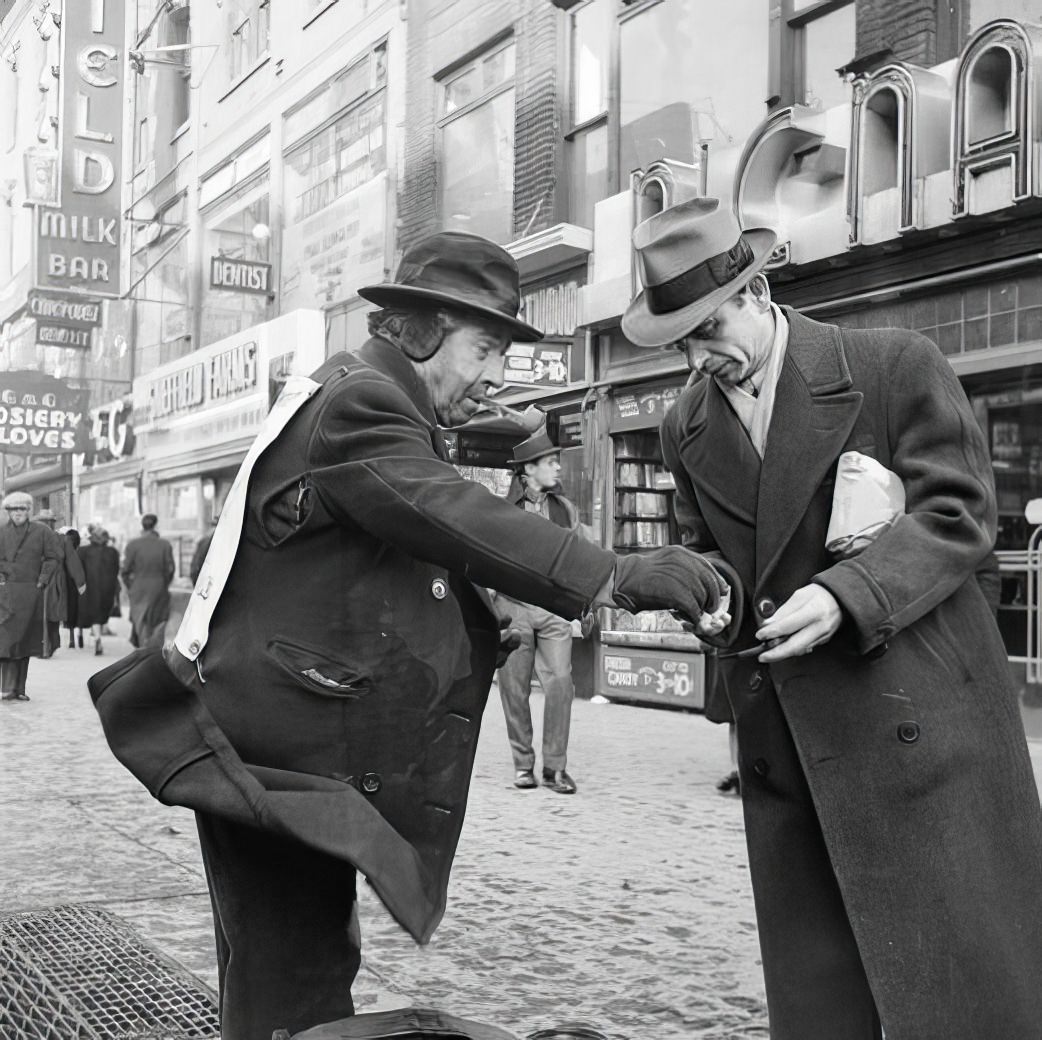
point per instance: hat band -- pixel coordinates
(700, 281)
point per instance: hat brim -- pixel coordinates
(646, 329)
(390, 295)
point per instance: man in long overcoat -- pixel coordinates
(67, 583)
(29, 559)
(148, 569)
(337, 651)
(892, 818)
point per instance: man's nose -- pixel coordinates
(494, 368)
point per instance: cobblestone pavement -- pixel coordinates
(626, 906)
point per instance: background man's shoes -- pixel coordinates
(730, 783)
(558, 780)
(525, 779)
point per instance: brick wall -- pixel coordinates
(442, 32)
(907, 27)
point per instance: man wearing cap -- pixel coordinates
(546, 638)
(337, 651)
(68, 582)
(147, 570)
(29, 558)
(891, 814)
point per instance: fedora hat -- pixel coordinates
(536, 447)
(45, 514)
(464, 271)
(691, 258)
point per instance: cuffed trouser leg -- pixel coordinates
(515, 683)
(13, 673)
(286, 923)
(553, 665)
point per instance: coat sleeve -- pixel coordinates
(74, 565)
(949, 524)
(372, 463)
(52, 557)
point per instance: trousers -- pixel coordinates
(13, 672)
(546, 648)
(286, 926)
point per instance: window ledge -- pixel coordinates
(258, 64)
(554, 247)
(180, 131)
(321, 11)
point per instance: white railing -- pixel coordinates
(1027, 563)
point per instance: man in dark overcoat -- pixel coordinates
(29, 559)
(147, 570)
(67, 583)
(891, 814)
(337, 651)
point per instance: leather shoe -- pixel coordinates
(730, 783)
(558, 780)
(525, 779)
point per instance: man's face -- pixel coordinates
(733, 342)
(544, 472)
(467, 366)
(18, 515)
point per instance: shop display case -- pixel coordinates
(647, 657)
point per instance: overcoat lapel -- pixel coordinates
(725, 469)
(814, 413)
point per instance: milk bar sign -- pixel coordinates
(78, 243)
(248, 276)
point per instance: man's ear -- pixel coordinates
(760, 290)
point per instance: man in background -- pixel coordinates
(148, 569)
(546, 638)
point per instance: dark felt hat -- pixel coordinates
(536, 447)
(691, 258)
(464, 271)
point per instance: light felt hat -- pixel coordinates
(691, 258)
(460, 270)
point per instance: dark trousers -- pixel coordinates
(13, 672)
(816, 984)
(286, 922)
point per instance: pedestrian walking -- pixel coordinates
(546, 638)
(29, 559)
(202, 547)
(64, 588)
(337, 653)
(72, 621)
(892, 820)
(148, 569)
(101, 564)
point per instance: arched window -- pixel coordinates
(880, 141)
(989, 109)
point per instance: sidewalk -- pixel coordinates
(626, 906)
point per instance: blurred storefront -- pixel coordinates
(196, 417)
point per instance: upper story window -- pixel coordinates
(679, 95)
(819, 39)
(476, 145)
(249, 23)
(590, 33)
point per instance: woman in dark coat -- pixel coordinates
(28, 561)
(101, 563)
(72, 607)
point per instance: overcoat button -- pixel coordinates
(755, 680)
(766, 607)
(439, 590)
(908, 732)
(194, 646)
(371, 783)
(761, 767)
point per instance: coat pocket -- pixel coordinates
(317, 671)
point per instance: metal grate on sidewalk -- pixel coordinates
(80, 973)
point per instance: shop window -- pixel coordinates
(679, 96)
(249, 23)
(237, 229)
(587, 148)
(178, 34)
(818, 37)
(991, 85)
(476, 146)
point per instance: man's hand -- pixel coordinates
(671, 578)
(509, 640)
(713, 624)
(808, 618)
(81, 589)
